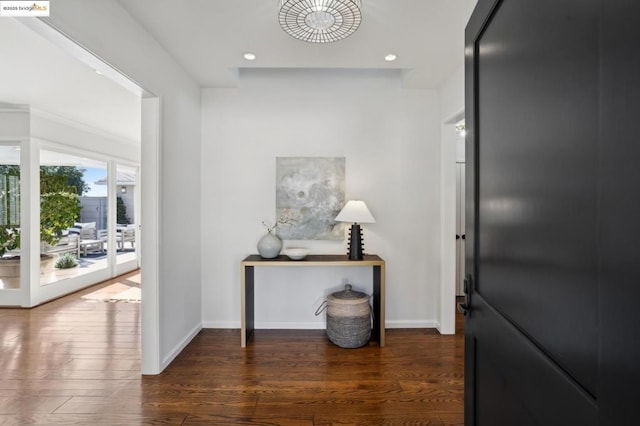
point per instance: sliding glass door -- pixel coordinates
(74, 216)
(9, 217)
(127, 194)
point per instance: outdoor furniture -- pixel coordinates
(124, 234)
(90, 242)
(86, 231)
(68, 244)
(93, 246)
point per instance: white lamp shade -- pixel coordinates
(356, 212)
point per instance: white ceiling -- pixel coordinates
(208, 37)
(53, 83)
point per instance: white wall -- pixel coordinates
(390, 139)
(105, 28)
(451, 94)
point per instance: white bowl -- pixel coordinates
(296, 253)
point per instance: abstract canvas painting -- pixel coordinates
(309, 195)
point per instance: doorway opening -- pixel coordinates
(119, 157)
(460, 205)
(452, 215)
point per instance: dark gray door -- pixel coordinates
(553, 212)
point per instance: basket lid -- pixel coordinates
(347, 296)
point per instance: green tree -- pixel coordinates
(9, 239)
(121, 212)
(58, 211)
(9, 170)
(55, 178)
(60, 190)
(63, 179)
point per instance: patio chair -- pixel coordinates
(67, 244)
(89, 241)
(86, 231)
(126, 234)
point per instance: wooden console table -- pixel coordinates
(247, 286)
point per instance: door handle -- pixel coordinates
(464, 236)
(457, 237)
(465, 307)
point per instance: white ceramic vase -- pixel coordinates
(269, 246)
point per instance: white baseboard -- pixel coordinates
(221, 324)
(447, 332)
(268, 325)
(314, 325)
(412, 324)
(290, 326)
(180, 346)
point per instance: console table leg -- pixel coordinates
(247, 296)
(378, 305)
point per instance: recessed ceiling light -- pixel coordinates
(390, 57)
(249, 56)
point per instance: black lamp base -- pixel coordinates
(356, 245)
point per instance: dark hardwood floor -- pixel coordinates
(77, 361)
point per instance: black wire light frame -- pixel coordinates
(294, 19)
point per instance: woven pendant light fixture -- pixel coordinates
(320, 21)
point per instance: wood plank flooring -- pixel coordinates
(77, 361)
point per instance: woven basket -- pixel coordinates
(348, 318)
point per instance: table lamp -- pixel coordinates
(355, 212)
